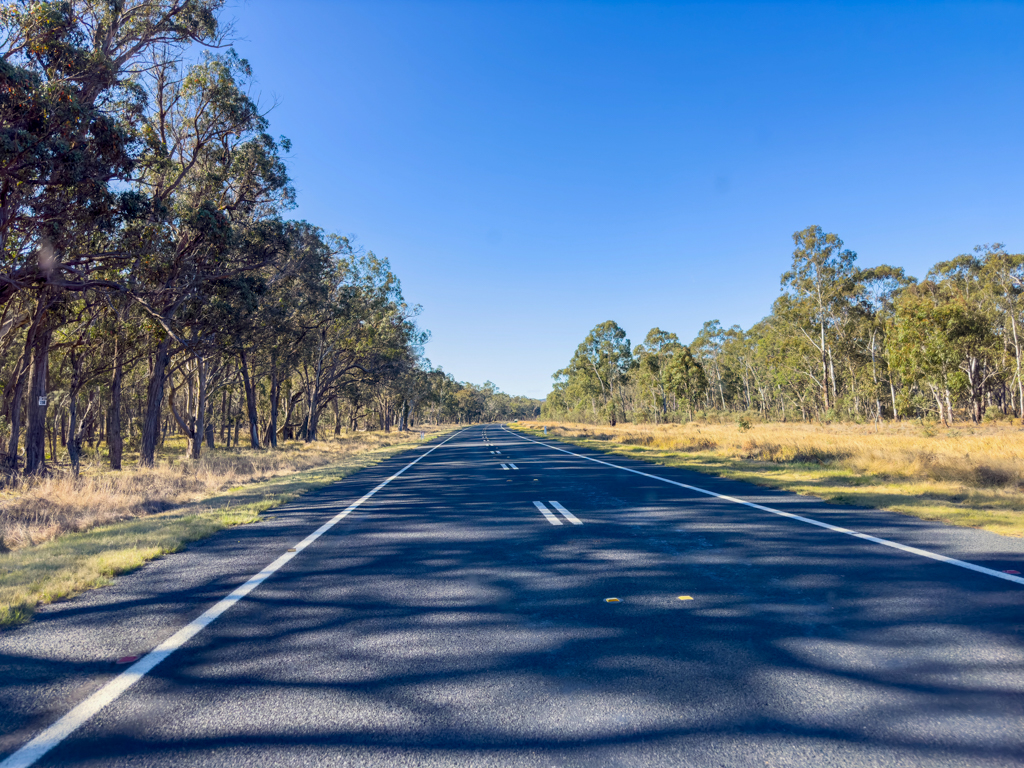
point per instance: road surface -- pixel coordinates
(505, 603)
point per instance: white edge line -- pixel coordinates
(49, 738)
(566, 513)
(544, 510)
(808, 520)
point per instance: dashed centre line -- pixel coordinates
(552, 518)
(547, 513)
(566, 513)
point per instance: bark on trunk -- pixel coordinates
(154, 404)
(115, 442)
(20, 379)
(275, 403)
(250, 402)
(35, 433)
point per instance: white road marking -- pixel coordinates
(801, 518)
(544, 510)
(502, 466)
(566, 513)
(56, 733)
(513, 465)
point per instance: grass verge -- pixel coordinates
(966, 477)
(72, 563)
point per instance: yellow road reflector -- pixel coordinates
(685, 597)
(292, 549)
(612, 600)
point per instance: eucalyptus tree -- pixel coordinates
(1002, 277)
(364, 332)
(969, 329)
(686, 378)
(878, 288)
(216, 184)
(819, 283)
(69, 111)
(272, 323)
(707, 346)
(649, 373)
(597, 371)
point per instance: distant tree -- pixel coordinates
(686, 378)
(597, 370)
(820, 282)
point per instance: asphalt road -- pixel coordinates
(448, 621)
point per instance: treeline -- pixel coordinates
(448, 401)
(151, 282)
(840, 343)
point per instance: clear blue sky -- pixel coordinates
(533, 168)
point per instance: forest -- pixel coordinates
(840, 343)
(151, 281)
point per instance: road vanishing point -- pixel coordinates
(489, 599)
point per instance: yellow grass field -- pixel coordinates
(62, 536)
(965, 475)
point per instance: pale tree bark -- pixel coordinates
(1016, 352)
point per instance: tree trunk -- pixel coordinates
(824, 367)
(74, 436)
(250, 402)
(35, 433)
(312, 417)
(275, 403)
(938, 403)
(154, 404)
(1017, 352)
(115, 442)
(194, 425)
(20, 379)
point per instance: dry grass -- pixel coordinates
(33, 511)
(72, 535)
(966, 475)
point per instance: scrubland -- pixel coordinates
(964, 475)
(62, 535)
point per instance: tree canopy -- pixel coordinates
(151, 282)
(840, 342)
